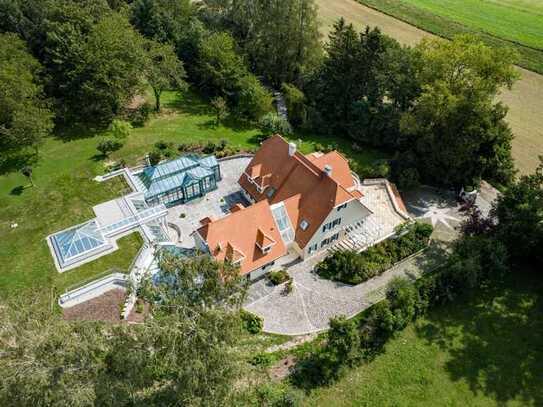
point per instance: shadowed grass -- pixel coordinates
(485, 350)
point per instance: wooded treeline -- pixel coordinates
(433, 106)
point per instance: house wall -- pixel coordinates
(354, 212)
(200, 243)
(259, 272)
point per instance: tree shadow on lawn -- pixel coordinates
(76, 132)
(16, 161)
(494, 339)
(189, 102)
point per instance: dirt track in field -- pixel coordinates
(525, 100)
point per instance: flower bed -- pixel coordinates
(351, 267)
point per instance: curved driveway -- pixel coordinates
(314, 300)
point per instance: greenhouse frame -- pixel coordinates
(181, 180)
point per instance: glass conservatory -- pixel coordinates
(180, 180)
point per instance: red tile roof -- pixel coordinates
(300, 181)
(235, 237)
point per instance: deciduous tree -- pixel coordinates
(24, 115)
(456, 131)
(164, 70)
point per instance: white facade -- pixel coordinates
(331, 230)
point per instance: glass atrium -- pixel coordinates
(180, 180)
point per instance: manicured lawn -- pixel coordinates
(486, 350)
(513, 23)
(65, 192)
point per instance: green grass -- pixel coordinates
(65, 192)
(514, 23)
(119, 261)
(486, 350)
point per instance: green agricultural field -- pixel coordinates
(483, 351)
(65, 192)
(514, 23)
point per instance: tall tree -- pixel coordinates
(455, 131)
(91, 55)
(113, 67)
(164, 70)
(24, 115)
(184, 355)
(162, 20)
(222, 72)
(363, 85)
(281, 38)
(170, 21)
(519, 212)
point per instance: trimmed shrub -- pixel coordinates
(107, 146)
(209, 148)
(251, 323)
(278, 277)
(162, 145)
(262, 359)
(154, 157)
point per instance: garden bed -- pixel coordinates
(351, 267)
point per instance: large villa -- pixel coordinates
(260, 212)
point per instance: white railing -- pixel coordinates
(93, 289)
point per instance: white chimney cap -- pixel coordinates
(291, 149)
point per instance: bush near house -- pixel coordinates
(354, 268)
(278, 277)
(251, 322)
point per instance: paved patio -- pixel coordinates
(215, 204)
(315, 300)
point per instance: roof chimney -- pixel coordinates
(328, 170)
(291, 149)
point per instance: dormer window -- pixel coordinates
(304, 224)
(264, 242)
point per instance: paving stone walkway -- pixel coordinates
(313, 301)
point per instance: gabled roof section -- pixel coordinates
(341, 172)
(300, 181)
(243, 230)
(168, 168)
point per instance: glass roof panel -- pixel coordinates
(76, 241)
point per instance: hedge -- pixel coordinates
(351, 267)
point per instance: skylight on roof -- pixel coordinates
(304, 224)
(77, 242)
(283, 222)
